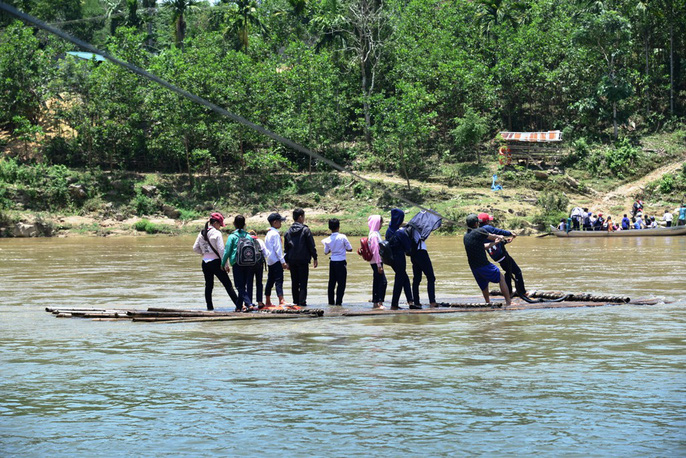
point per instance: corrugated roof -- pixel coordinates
(533, 137)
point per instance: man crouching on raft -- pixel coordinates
(484, 272)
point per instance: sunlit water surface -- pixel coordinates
(606, 381)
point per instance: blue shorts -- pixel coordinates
(485, 274)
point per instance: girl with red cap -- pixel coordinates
(210, 245)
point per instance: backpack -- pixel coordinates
(259, 256)
(385, 252)
(364, 250)
(246, 252)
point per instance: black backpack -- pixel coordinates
(385, 252)
(247, 252)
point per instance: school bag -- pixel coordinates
(259, 255)
(247, 252)
(364, 249)
(385, 252)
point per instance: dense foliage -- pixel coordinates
(402, 85)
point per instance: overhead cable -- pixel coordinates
(197, 99)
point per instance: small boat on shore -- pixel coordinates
(656, 232)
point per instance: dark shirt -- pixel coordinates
(498, 252)
(496, 231)
(474, 241)
(299, 244)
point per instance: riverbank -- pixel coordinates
(42, 200)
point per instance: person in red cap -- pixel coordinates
(500, 255)
(210, 245)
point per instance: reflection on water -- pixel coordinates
(591, 381)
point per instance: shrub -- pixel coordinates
(469, 130)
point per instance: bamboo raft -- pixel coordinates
(550, 300)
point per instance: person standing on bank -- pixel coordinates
(242, 274)
(484, 272)
(338, 245)
(210, 245)
(300, 249)
(276, 263)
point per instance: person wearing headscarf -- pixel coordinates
(401, 245)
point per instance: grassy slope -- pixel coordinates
(456, 191)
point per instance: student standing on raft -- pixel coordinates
(500, 255)
(210, 245)
(275, 260)
(258, 270)
(242, 274)
(423, 224)
(337, 244)
(379, 283)
(484, 272)
(400, 246)
(300, 248)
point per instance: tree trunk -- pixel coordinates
(188, 162)
(671, 68)
(365, 105)
(403, 164)
(180, 31)
(647, 83)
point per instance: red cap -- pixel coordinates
(485, 217)
(600, 214)
(219, 217)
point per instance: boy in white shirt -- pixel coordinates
(275, 260)
(337, 244)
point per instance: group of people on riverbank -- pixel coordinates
(582, 219)
(246, 255)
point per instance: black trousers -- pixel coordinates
(421, 264)
(402, 280)
(338, 275)
(300, 274)
(257, 276)
(575, 224)
(512, 271)
(378, 285)
(214, 269)
(242, 277)
(274, 278)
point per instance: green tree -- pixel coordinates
(242, 15)
(606, 34)
(179, 10)
(403, 126)
(25, 70)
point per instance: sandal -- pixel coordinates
(378, 306)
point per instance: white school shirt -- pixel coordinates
(668, 217)
(337, 244)
(272, 245)
(202, 247)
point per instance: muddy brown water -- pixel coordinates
(589, 381)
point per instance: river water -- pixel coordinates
(604, 381)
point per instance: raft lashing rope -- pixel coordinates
(576, 297)
(200, 101)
